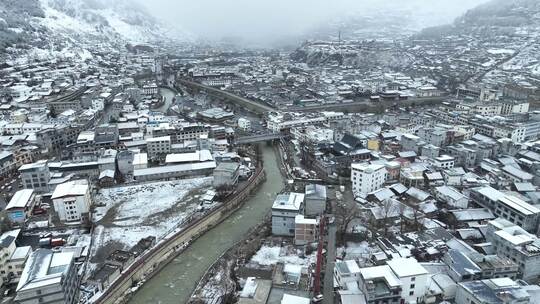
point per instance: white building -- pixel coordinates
(20, 206)
(48, 277)
(244, 124)
(515, 243)
(452, 197)
(7, 250)
(413, 276)
(367, 178)
(72, 201)
(346, 272)
(508, 207)
(158, 147)
(443, 162)
(284, 211)
(501, 290)
(35, 176)
(305, 230)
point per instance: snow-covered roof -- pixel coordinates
(378, 272)
(21, 199)
(43, 268)
(71, 188)
(106, 173)
(290, 299)
(406, 267)
(197, 156)
(288, 201)
(21, 253)
(175, 168)
(300, 219)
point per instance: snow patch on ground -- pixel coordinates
(128, 214)
(137, 203)
(271, 255)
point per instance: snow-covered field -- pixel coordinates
(356, 250)
(128, 214)
(271, 255)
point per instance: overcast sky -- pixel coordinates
(253, 19)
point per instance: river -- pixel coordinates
(169, 95)
(177, 280)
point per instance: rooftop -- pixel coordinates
(406, 267)
(44, 267)
(289, 201)
(380, 272)
(21, 199)
(71, 188)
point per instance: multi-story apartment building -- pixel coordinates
(48, 277)
(305, 230)
(35, 176)
(513, 242)
(72, 201)
(380, 285)
(158, 147)
(443, 162)
(8, 163)
(367, 178)
(501, 290)
(508, 207)
(413, 278)
(284, 211)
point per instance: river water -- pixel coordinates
(169, 95)
(177, 280)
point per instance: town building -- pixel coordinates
(367, 178)
(72, 201)
(226, 174)
(305, 230)
(508, 207)
(284, 211)
(315, 199)
(501, 290)
(35, 176)
(513, 242)
(158, 147)
(48, 277)
(20, 206)
(380, 285)
(413, 278)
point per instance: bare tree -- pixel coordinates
(402, 209)
(388, 208)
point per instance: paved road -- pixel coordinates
(367, 105)
(328, 290)
(256, 106)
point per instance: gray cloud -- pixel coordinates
(271, 19)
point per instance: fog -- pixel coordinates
(260, 20)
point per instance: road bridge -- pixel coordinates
(258, 138)
(255, 106)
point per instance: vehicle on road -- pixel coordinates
(317, 299)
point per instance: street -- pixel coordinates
(328, 288)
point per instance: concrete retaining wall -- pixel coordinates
(157, 257)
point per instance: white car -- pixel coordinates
(317, 298)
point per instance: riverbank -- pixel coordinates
(154, 260)
(176, 282)
(219, 284)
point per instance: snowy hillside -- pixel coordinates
(53, 27)
(108, 19)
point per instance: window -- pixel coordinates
(411, 293)
(412, 286)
